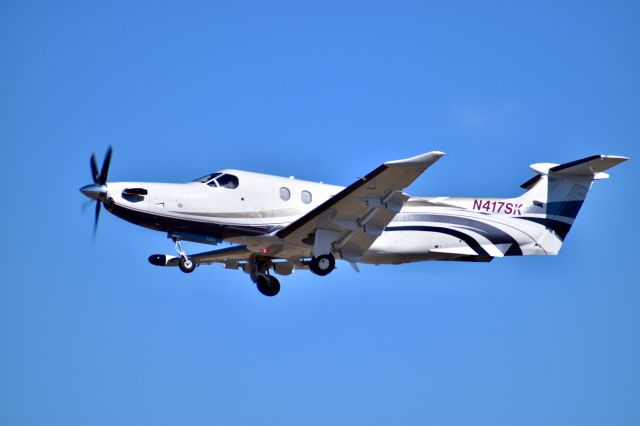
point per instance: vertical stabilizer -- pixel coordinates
(555, 195)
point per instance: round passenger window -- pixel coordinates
(285, 194)
(306, 197)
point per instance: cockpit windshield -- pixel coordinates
(221, 180)
(207, 178)
(228, 181)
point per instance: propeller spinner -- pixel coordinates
(98, 189)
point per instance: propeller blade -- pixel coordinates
(84, 206)
(94, 168)
(105, 168)
(95, 223)
(98, 190)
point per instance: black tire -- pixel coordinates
(268, 285)
(187, 265)
(323, 264)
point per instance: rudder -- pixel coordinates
(555, 195)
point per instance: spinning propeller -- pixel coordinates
(98, 189)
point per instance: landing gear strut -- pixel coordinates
(322, 265)
(186, 265)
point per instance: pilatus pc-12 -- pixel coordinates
(277, 224)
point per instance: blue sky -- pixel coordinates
(91, 334)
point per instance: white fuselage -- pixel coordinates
(426, 228)
(278, 224)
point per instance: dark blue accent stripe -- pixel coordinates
(167, 224)
(564, 208)
(470, 241)
(492, 233)
(560, 228)
(529, 184)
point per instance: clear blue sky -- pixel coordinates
(92, 334)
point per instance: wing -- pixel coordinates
(350, 221)
(236, 257)
(229, 256)
(226, 255)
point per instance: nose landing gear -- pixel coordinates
(186, 265)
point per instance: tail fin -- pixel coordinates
(554, 196)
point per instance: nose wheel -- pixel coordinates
(186, 265)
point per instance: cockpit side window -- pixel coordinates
(207, 178)
(228, 181)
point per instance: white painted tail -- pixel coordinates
(555, 195)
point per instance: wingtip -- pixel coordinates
(613, 160)
(427, 158)
(620, 158)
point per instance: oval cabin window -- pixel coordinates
(285, 194)
(306, 197)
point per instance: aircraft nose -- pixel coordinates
(95, 191)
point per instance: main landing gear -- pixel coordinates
(267, 285)
(322, 265)
(257, 267)
(186, 265)
(259, 270)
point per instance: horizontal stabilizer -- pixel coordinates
(588, 166)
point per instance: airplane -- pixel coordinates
(279, 224)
